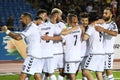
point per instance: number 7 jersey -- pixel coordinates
(73, 46)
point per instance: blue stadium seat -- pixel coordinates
(15, 8)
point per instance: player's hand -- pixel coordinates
(45, 37)
(4, 28)
(99, 28)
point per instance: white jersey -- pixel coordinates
(58, 47)
(33, 38)
(73, 46)
(95, 45)
(108, 40)
(84, 49)
(47, 46)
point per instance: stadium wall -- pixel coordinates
(16, 50)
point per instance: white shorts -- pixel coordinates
(95, 62)
(49, 65)
(71, 67)
(32, 65)
(109, 61)
(59, 62)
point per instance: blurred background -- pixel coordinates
(10, 10)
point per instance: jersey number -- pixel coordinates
(100, 35)
(75, 36)
(47, 41)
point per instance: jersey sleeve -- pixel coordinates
(113, 27)
(27, 32)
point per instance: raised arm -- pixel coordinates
(15, 36)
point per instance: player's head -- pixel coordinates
(84, 18)
(56, 13)
(38, 20)
(43, 14)
(107, 14)
(25, 18)
(93, 16)
(72, 18)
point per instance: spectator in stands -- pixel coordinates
(114, 6)
(118, 23)
(0, 24)
(10, 23)
(89, 7)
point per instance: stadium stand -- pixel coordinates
(14, 8)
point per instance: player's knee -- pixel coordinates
(85, 72)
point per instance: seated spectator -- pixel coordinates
(118, 23)
(10, 23)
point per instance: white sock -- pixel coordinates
(60, 77)
(43, 76)
(84, 78)
(104, 76)
(110, 77)
(27, 78)
(53, 77)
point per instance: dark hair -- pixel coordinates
(110, 9)
(38, 18)
(84, 15)
(70, 15)
(93, 16)
(72, 12)
(41, 11)
(27, 14)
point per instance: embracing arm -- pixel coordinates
(66, 31)
(110, 32)
(54, 38)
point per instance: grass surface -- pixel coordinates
(16, 76)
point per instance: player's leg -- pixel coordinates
(100, 66)
(110, 74)
(71, 69)
(109, 64)
(28, 77)
(104, 75)
(37, 76)
(87, 74)
(23, 76)
(49, 68)
(25, 71)
(61, 74)
(88, 65)
(99, 75)
(83, 59)
(60, 66)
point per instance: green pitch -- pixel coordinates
(16, 76)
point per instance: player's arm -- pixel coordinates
(67, 31)
(54, 38)
(15, 36)
(85, 37)
(110, 32)
(99, 21)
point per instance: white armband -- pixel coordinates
(8, 31)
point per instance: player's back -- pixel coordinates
(73, 46)
(95, 45)
(47, 46)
